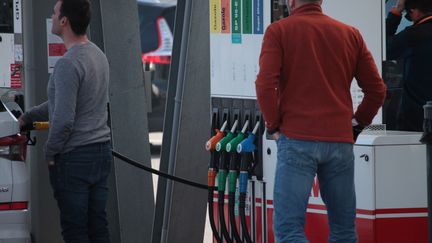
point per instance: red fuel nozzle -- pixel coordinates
(211, 144)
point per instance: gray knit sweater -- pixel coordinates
(77, 101)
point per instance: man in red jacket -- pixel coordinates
(307, 64)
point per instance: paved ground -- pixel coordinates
(156, 140)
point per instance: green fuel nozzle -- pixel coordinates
(230, 135)
(232, 145)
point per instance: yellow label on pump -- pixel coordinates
(215, 16)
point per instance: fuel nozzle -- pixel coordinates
(211, 143)
(248, 145)
(224, 141)
(231, 145)
(36, 126)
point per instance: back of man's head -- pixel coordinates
(423, 5)
(78, 13)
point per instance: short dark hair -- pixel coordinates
(78, 13)
(423, 5)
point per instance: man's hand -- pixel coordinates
(51, 163)
(357, 129)
(400, 6)
(276, 136)
(21, 122)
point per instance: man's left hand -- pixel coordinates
(276, 136)
(51, 163)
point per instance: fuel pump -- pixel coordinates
(221, 177)
(232, 178)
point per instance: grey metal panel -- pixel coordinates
(135, 200)
(168, 124)
(187, 210)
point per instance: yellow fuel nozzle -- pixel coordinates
(40, 125)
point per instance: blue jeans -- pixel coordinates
(297, 163)
(79, 182)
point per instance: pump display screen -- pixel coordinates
(6, 16)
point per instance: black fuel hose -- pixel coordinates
(242, 212)
(221, 206)
(160, 173)
(222, 175)
(243, 184)
(211, 183)
(231, 212)
(211, 217)
(232, 184)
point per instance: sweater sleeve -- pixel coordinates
(36, 114)
(267, 82)
(371, 83)
(66, 81)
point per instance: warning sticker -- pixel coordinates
(16, 82)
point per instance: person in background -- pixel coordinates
(307, 63)
(78, 150)
(414, 46)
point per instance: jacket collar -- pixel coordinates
(310, 8)
(426, 18)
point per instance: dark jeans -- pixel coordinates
(79, 182)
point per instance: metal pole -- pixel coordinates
(176, 118)
(429, 186)
(427, 139)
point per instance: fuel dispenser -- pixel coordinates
(237, 162)
(243, 211)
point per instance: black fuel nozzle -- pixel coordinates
(33, 126)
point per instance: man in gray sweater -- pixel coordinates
(78, 150)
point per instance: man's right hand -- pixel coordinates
(400, 6)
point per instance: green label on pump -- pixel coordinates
(247, 16)
(236, 37)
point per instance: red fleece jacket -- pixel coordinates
(307, 64)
